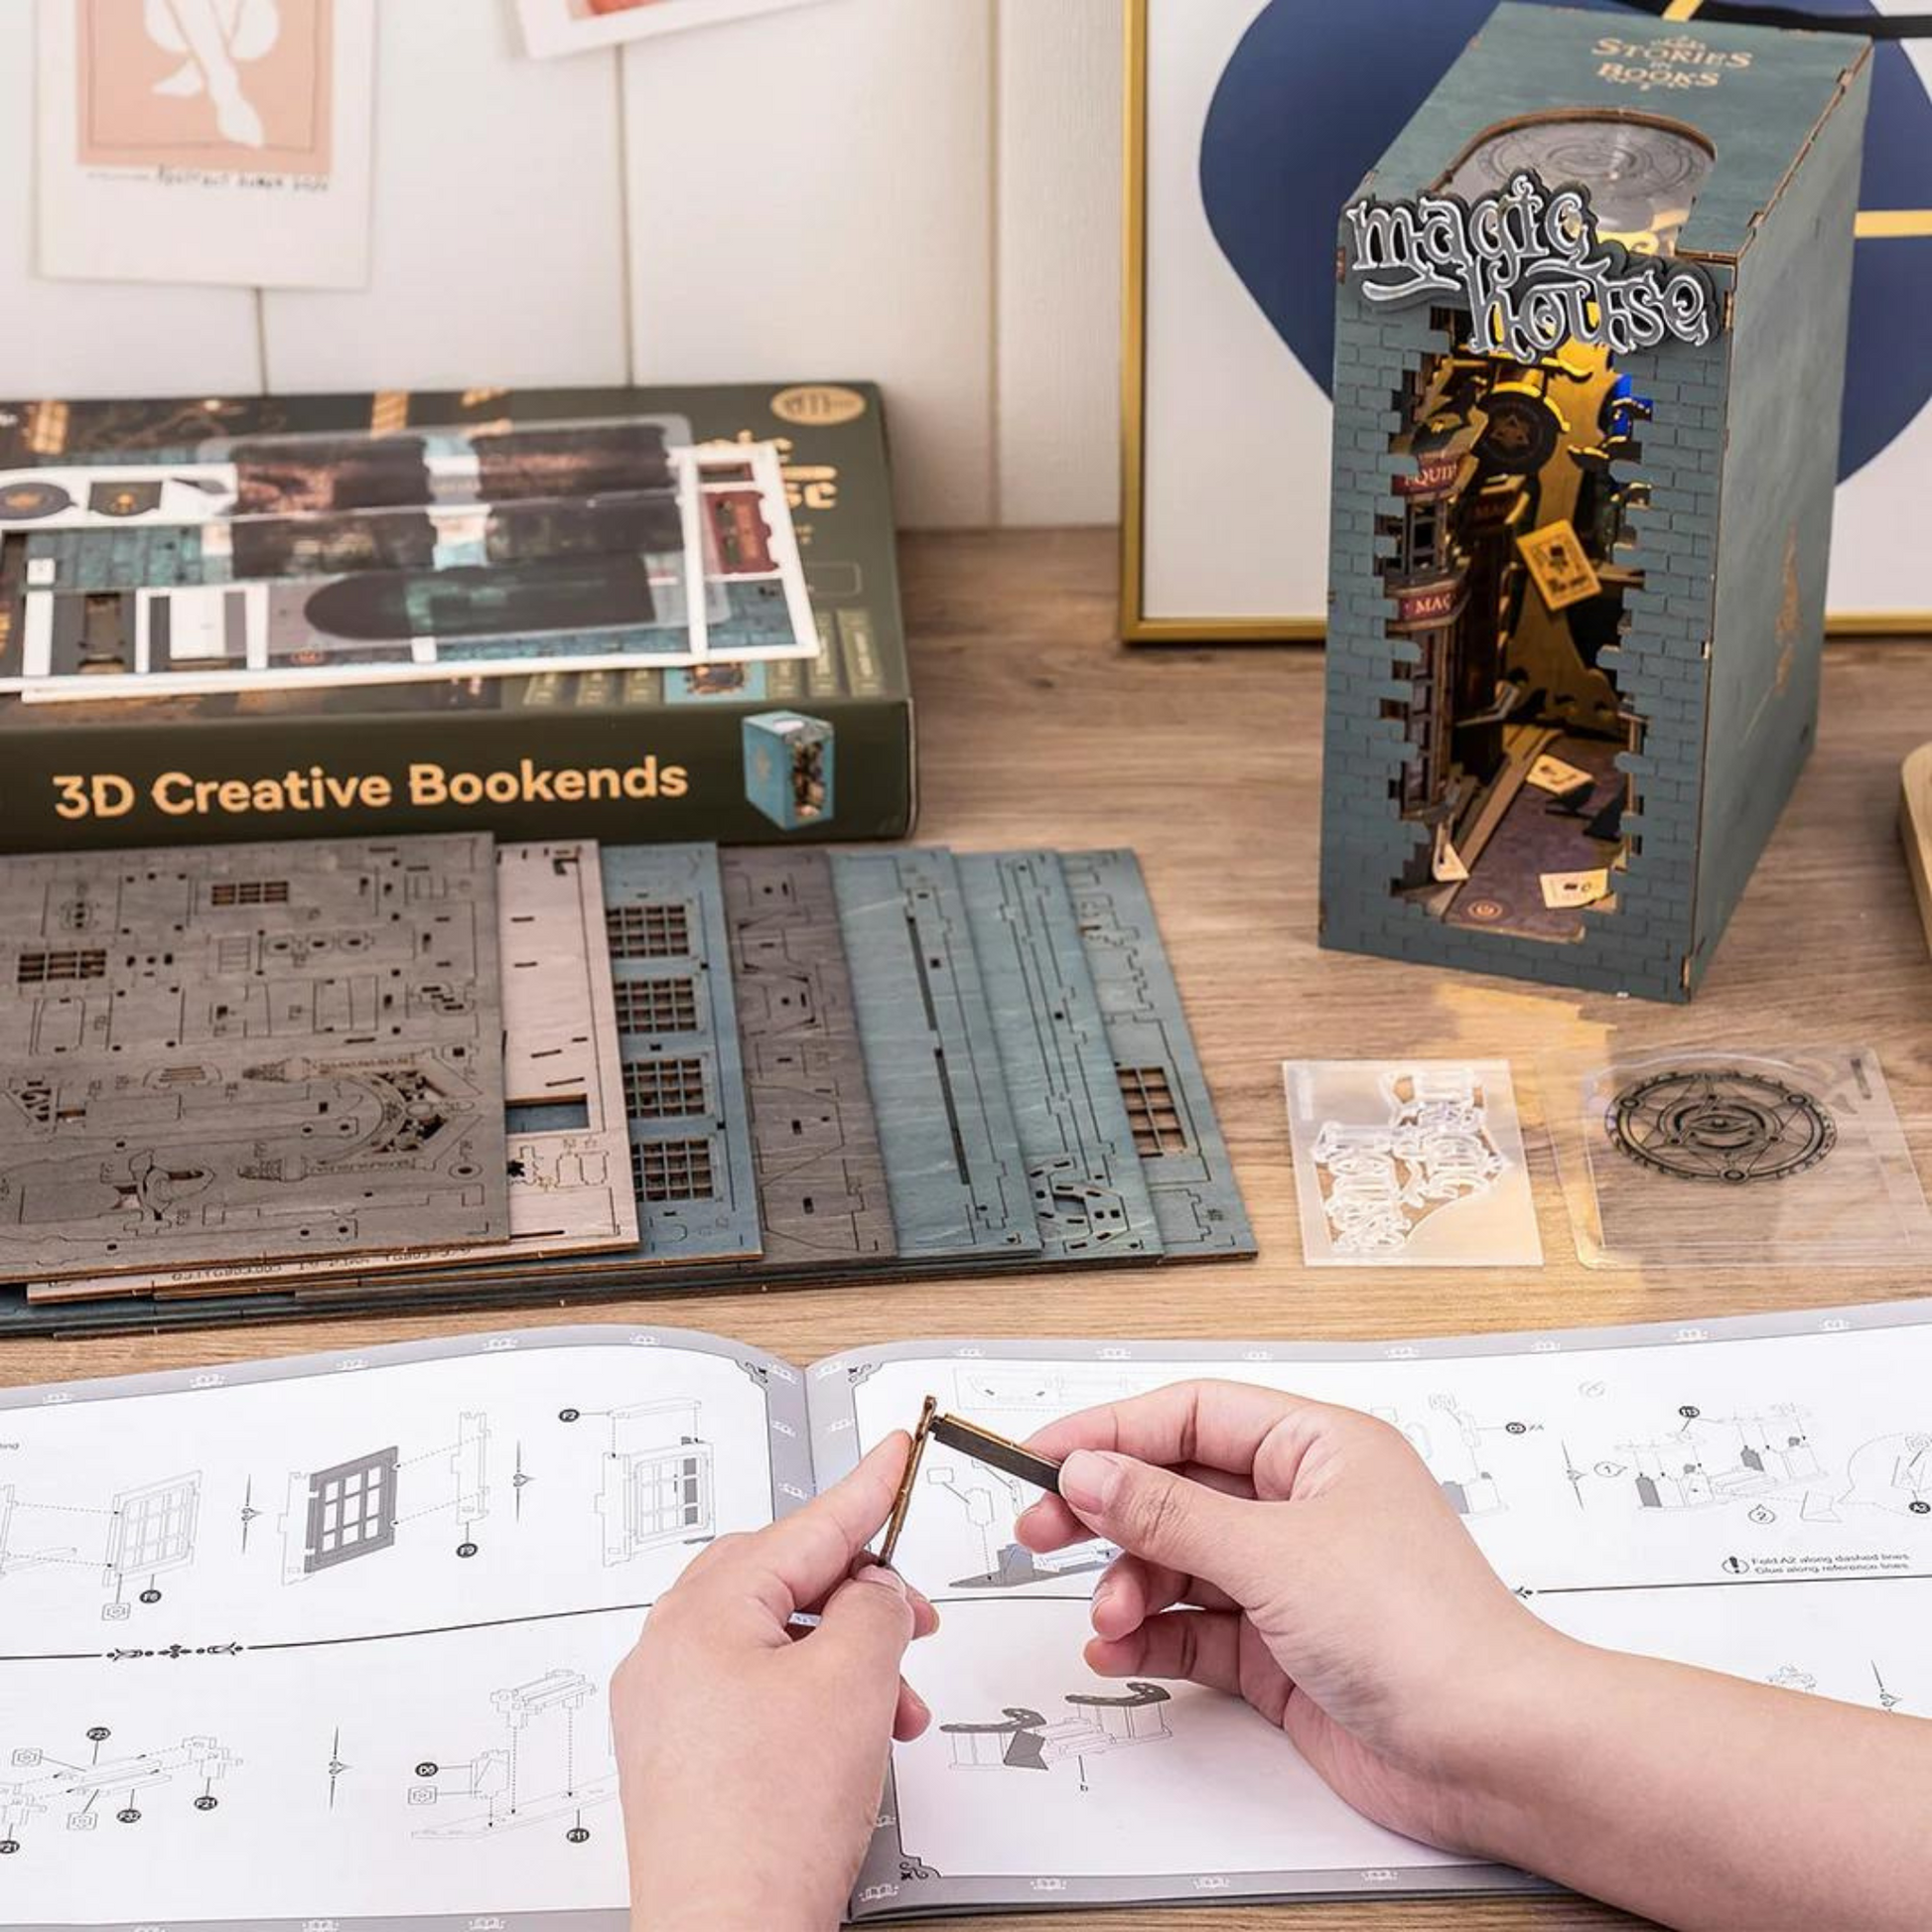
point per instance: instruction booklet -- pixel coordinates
(327, 1641)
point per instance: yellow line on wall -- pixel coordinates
(1682, 9)
(1893, 224)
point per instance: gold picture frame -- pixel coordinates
(1135, 627)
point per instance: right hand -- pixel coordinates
(1302, 1557)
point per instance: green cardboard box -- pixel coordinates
(1591, 335)
(622, 756)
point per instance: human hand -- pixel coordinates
(751, 1758)
(1303, 1558)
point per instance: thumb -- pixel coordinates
(864, 1628)
(1155, 1514)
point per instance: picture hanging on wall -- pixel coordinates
(214, 141)
(1251, 122)
(576, 26)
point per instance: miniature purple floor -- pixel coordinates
(1538, 834)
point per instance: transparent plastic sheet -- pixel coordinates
(1707, 1156)
(1410, 1163)
(303, 562)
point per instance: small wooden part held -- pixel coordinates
(969, 1439)
(997, 1452)
(903, 1502)
(1916, 827)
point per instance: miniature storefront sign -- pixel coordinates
(1410, 1163)
(1529, 266)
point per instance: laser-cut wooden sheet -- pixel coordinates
(1170, 1107)
(980, 1081)
(244, 1053)
(689, 1163)
(569, 1155)
(683, 1066)
(953, 1161)
(822, 1179)
(1090, 1194)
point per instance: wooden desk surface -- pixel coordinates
(1037, 729)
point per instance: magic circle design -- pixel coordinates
(1719, 1124)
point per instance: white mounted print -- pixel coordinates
(220, 141)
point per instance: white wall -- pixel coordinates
(925, 191)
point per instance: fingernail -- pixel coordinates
(920, 1706)
(875, 1573)
(1088, 1479)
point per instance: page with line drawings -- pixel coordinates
(328, 1641)
(1753, 1496)
(331, 1640)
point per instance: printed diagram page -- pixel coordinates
(330, 1641)
(1751, 1496)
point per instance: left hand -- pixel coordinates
(751, 1757)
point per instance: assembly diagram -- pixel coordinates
(1019, 1399)
(658, 1483)
(993, 1502)
(1797, 1677)
(1884, 1695)
(140, 1536)
(1019, 1402)
(1892, 1474)
(40, 1790)
(1721, 1459)
(354, 1508)
(550, 1765)
(1765, 1460)
(1458, 1450)
(1024, 1739)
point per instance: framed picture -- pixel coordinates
(1249, 124)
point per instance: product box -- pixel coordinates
(1591, 339)
(618, 754)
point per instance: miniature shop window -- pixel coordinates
(648, 931)
(1151, 1111)
(669, 1495)
(41, 968)
(672, 1171)
(250, 892)
(154, 1529)
(663, 1089)
(351, 1510)
(657, 1006)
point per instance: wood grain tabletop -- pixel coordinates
(1037, 729)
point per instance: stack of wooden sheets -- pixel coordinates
(256, 1082)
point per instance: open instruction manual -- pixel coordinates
(327, 1641)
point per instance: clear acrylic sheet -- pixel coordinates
(1410, 1163)
(585, 544)
(1705, 1157)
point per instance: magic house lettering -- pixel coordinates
(1529, 266)
(1383, 1182)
